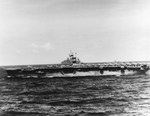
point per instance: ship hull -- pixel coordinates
(77, 74)
(95, 73)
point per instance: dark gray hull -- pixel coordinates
(76, 74)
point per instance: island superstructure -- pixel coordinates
(73, 67)
(72, 59)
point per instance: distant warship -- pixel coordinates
(73, 67)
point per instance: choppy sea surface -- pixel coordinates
(88, 96)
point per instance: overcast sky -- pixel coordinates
(44, 31)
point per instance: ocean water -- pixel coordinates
(89, 96)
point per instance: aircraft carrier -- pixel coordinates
(73, 67)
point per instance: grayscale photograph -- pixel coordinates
(74, 57)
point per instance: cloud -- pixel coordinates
(34, 45)
(18, 51)
(45, 46)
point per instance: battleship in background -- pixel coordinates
(73, 67)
